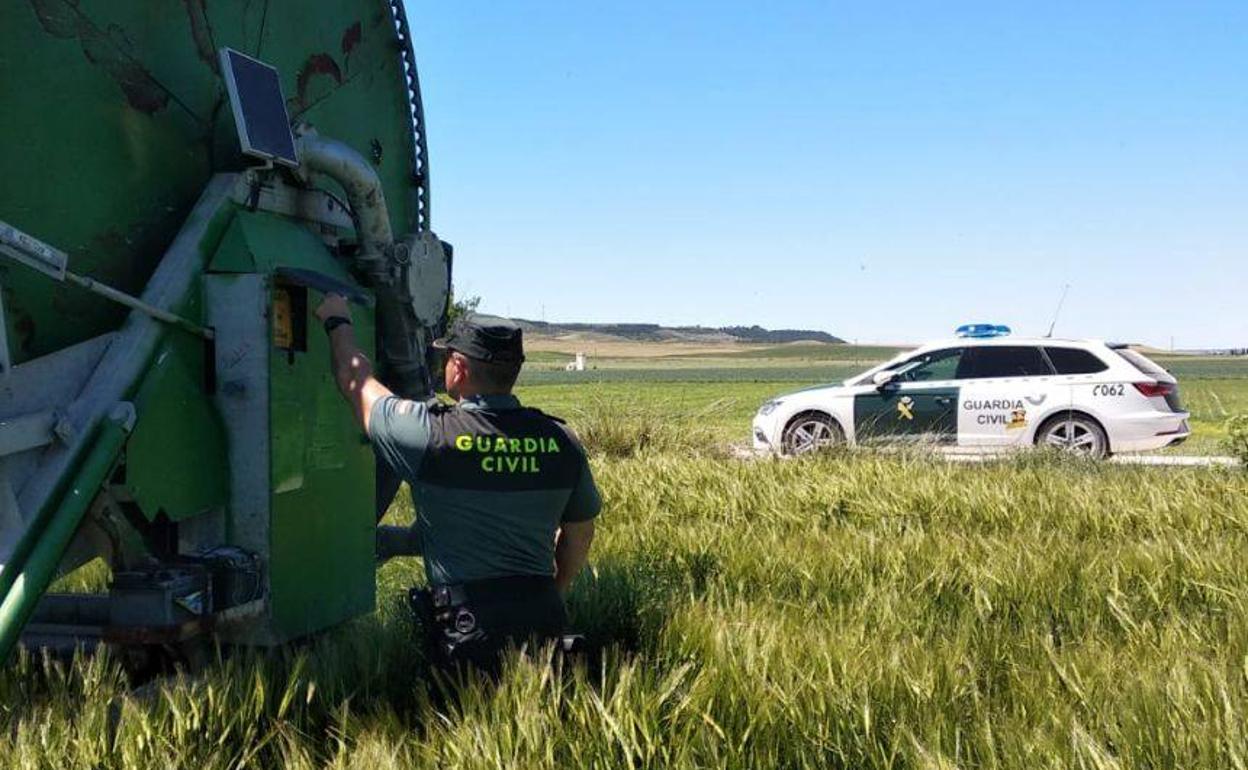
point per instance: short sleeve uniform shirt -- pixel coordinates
(491, 481)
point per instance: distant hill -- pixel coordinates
(657, 333)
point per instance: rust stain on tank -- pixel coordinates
(351, 38)
(106, 50)
(201, 31)
(318, 64)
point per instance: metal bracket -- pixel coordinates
(272, 195)
(27, 431)
(53, 263)
(124, 415)
(32, 252)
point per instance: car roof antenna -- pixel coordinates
(1058, 312)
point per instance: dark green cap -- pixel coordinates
(485, 338)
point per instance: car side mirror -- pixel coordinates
(883, 379)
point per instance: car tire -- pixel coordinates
(1074, 433)
(810, 432)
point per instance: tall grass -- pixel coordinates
(630, 426)
(1237, 437)
(849, 611)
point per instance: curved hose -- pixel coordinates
(340, 162)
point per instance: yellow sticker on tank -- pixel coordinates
(283, 322)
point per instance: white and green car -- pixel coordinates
(988, 391)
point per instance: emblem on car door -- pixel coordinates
(1018, 419)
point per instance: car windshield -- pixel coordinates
(934, 365)
(865, 377)
(939, 364)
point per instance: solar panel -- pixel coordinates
(259, 108)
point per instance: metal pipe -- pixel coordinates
(38, 555)
(32, 252)
(134, 303)
(340, 162)
(32, 257)
(130, 352)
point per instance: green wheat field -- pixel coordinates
(852, 610)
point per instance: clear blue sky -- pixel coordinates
(883, 172)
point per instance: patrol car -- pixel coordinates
(985, 390)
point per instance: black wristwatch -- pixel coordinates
(334, 321)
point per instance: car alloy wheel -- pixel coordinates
(1076, 435)
(810, 433)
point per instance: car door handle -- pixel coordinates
(944, 400)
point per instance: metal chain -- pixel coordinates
(420, 150)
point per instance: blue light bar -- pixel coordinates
(982, 330)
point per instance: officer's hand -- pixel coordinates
(333, 305)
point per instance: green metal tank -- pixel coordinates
(165, 397)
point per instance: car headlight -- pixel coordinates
(769, 407)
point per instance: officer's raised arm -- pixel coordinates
(353, 372)
(503, 494)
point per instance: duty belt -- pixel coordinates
(489, 589)
(448, 596)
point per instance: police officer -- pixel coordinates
(505, 500)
